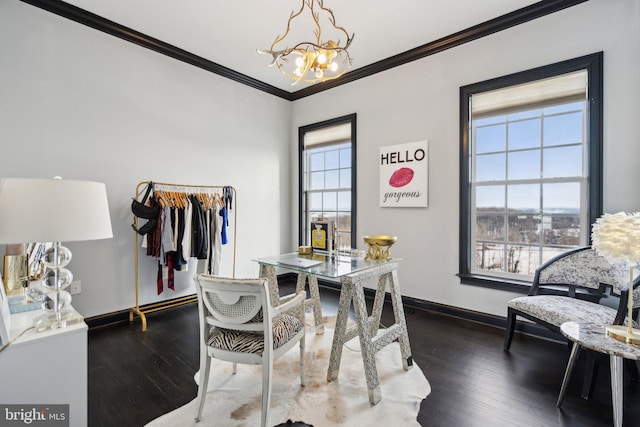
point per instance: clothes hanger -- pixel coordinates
(175, 199)
(219, 200)
(161, 198)
(202, 198)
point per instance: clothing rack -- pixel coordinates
(175, 190)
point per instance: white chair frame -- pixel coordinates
(233, 304)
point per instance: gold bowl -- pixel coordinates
(380, 240)
(379, 246)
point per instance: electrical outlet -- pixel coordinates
(76, 287)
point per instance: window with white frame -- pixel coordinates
(532, 165)
(327, 177)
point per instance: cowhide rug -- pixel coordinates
(235, 400)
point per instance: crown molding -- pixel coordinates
(97, 22)
(483, 29)
(517, 17)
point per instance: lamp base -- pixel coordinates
(621, 333)
(51, 320)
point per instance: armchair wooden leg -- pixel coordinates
(590, 374)
(203, 382)
(267, 375)
(510, 329)
(632, 367)
(302, 350)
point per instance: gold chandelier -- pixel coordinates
(313, 61)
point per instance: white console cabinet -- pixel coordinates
(46, 368)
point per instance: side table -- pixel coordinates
(46, 368)
(594, 337)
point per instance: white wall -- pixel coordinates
(85, 105)
(82, 104)
(420, 101)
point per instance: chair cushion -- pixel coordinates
(556, 309)
(284, 328)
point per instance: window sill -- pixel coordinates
(495, 283)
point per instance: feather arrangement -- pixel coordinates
(617, 236)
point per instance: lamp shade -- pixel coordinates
(53, 210)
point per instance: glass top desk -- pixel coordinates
(352, 272)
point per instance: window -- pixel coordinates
(327, 161)
(531, 169)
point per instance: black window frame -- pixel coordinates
(302, 130)
(593, 64)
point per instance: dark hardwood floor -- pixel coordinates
(135, 377)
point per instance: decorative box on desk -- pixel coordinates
(19, 304)
(45, 368)
(322, 235)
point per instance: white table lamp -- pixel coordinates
(54, 210)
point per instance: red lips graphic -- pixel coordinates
(401, 177)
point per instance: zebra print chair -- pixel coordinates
(239, 325)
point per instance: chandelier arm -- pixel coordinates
(317, 46)
(332, 19)
(335, 49)
(316, 19)
(291, 17)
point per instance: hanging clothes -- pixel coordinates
(190, 224)
(167, 241)
(208, 262)
(216, 242)
(186, 236)
(180, 259)
(228, 197)
(199, 243)
(154, 236)
(159, 281)
(223, 225)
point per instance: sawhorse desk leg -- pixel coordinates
(371, 341)
(269, 272)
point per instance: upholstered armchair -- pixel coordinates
(578, 285)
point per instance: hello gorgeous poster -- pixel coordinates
(404, 172)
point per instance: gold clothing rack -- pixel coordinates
(175, 193)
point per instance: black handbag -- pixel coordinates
(141, 210)
(147, 227)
